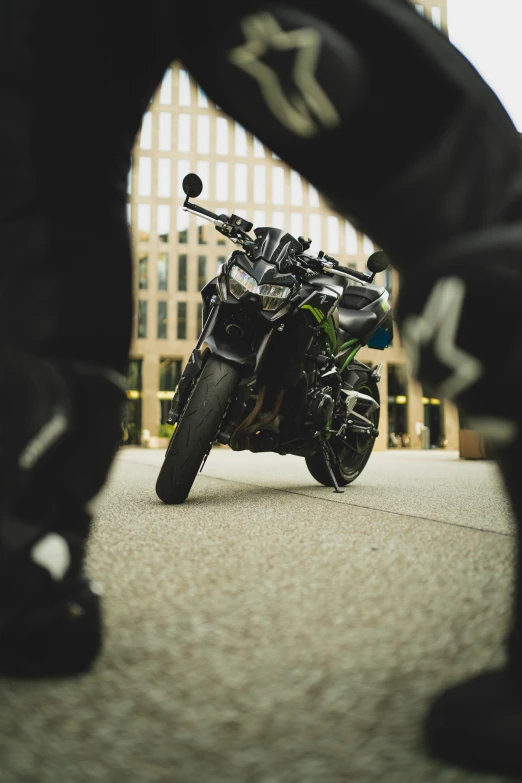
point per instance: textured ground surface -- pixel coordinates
(269, 631)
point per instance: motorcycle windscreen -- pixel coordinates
(274, 244)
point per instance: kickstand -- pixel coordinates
(327, 452)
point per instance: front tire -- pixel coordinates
(196, 430)
(348, 465)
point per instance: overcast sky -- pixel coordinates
(489, 33)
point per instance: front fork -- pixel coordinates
(198, 358)
(194, 365)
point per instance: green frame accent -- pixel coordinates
(318, 315)
(351, 356)
(329, 328)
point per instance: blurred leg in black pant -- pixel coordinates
(381, 114)
(71, 104)
(412, 147)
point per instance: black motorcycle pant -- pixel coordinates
(364, 98)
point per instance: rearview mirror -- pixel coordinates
(192, 185)
(378, 262)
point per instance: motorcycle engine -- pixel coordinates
(321, 406)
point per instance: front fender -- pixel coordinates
(235, 350)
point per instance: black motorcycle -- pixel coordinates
(274, 368)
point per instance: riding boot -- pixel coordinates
(60, 427)
(478, 723)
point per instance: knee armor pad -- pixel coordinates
(460, 322)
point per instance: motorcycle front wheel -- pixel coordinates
(196, 430)
(351, 455)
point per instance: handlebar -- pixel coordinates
(188, 207)
(336, 268)
(236, 229)
(328, 264)
(233, 227)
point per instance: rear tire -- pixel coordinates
(196, 430)
(348, 466)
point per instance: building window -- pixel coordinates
(259, 218)
(129, 179)
(240, 140)
(221, 136)
(436, 16)
(169, 374)
(259, 149)
(315, 231)
(202, 272)
(165, 131)
(296, 225)
(203, 171)
(278, 220)
(420, 9)
(163, 222)
(131, 413)
(278, 185)
(133, 375)
(182, 226)
(204, 134)
(350, 239)
(166, 88)
(202, 99)
(143, 222)
(332, 232)
(184, 133)
(296, 189)
(184, 88)
(182, 320)
(220, 260)
(259, 185)
(146, 131)
(163, 271)
(397, 401)
(203, 229)
(200, 317)
(222, 181)
(143, 271)
(182, 272)
(183, 170)
(162, 320)
(275, 157)
(164, 177)
(142, 318)
(313, 196)
(129, 214)
(241, 182)
(368, 246)
(145, 176)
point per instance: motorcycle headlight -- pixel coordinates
(273, 295)
(241, 283)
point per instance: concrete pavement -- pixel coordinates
(269, 631)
